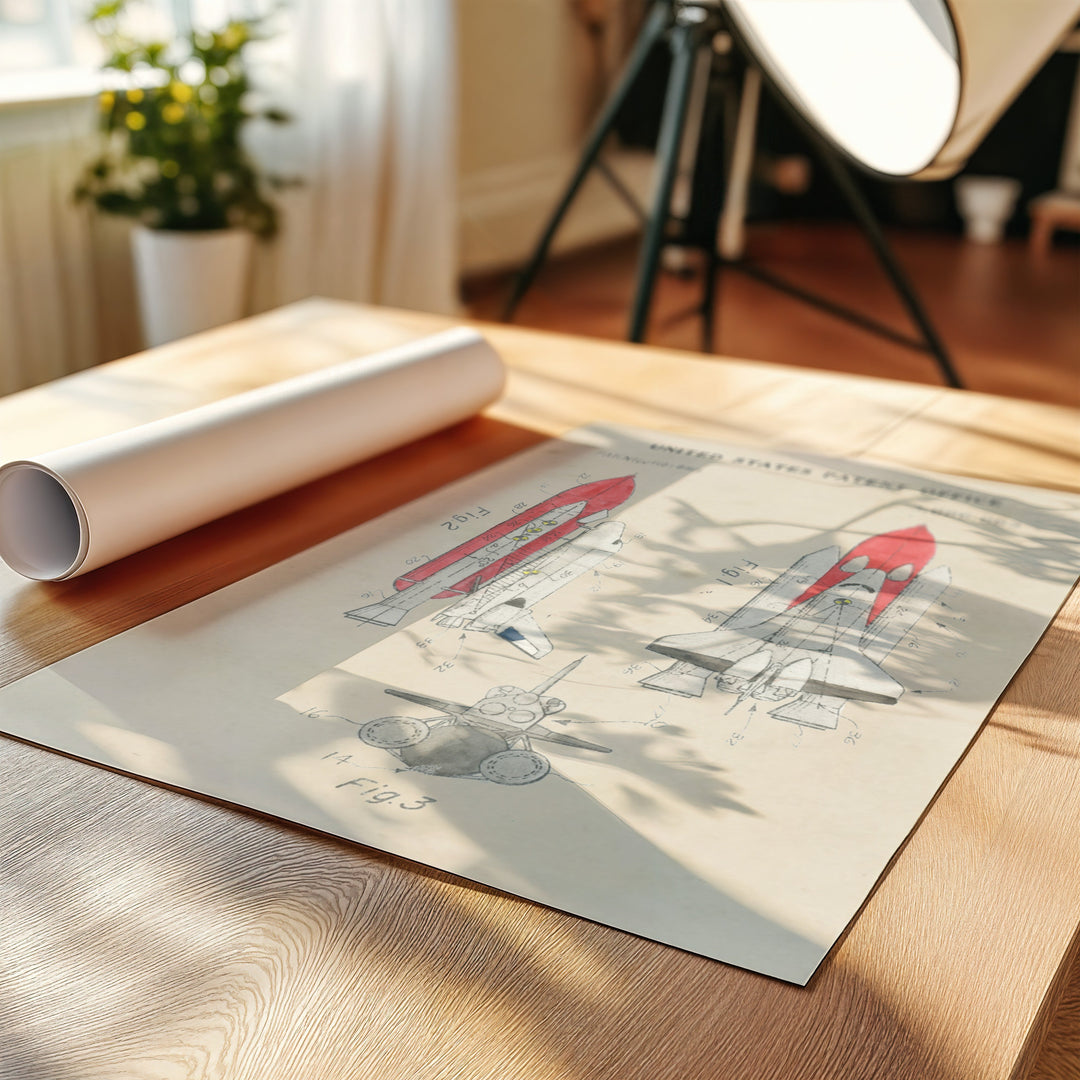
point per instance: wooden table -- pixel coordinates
(150, 934)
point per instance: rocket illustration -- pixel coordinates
(511, 543)
(815, 637)
(504, 607)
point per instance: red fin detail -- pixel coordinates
(886, 551)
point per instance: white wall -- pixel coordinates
(526, 96)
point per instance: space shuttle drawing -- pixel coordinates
(505, 606)
(509, 567)
(816, 636)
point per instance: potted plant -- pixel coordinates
(172, 159)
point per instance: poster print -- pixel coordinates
(647, 680)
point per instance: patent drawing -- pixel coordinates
(490, 740)
(510, 544)
(505, 606)
(816, 636)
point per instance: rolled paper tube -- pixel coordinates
(70, 511)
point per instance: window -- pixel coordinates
(47, 51)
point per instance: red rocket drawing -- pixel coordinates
(511, 543)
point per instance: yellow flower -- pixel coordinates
(233, 36)
(181, 92)
(106, 100)
(135, 121)
(135, 96)
(172, 113)
(170, 168)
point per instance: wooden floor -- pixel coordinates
(1011, 321)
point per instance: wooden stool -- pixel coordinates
(1049, 212)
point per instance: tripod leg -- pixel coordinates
(731, 233)
(652, 31)
(869, 223)
(685, 40)
(739, 131)
(683, 192)
(709, 301)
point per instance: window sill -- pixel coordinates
(50, 86)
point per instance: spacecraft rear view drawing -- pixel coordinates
(489, 740)
(815, 637)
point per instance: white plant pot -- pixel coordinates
(189, 281)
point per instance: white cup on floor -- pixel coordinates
(986, 203)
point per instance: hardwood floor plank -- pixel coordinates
(1011, 320)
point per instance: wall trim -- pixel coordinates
(502, 209)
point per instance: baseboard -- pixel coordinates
(503, 209)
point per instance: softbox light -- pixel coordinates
(906, 88)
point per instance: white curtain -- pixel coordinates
(372, 87)
(58, 281)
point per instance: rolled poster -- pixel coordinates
(69, 511)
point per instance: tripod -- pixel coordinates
(690, 27)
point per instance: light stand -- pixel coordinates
(690, 26)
